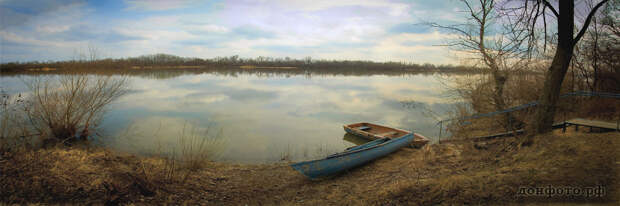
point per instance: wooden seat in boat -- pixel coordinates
(387, 134)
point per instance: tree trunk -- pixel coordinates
(555, 74)
(498, 96)
(508, 120)
(551, 90)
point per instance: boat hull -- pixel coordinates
(352, 157)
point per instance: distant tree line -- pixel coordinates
(169, 61)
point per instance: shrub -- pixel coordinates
(68, 109)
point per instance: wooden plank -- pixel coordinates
(387, 134)
(593, 123)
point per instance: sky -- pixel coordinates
(377, 30)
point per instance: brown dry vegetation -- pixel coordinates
(457, 173)
(521, 88)
(604, 109)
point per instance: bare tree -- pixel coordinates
(499, 48)
(93, 53)
(596, 56)
(566, 41)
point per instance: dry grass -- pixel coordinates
(67, 175)
(447, 174)
(194, 150)
(198, 147)
(493, 171)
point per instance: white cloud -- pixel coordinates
(15, 38)
(158, 5)
(318, 28)
(314, 5)
(52, 29)
(434, 36)
(209, 28)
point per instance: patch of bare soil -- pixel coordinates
(455, 173)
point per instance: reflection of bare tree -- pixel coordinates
(167, 73)
(12, 130)
(69, 109)
(421, 107)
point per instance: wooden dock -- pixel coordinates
(601, 125)
(592, 124)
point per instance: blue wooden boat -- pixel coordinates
(352, 157)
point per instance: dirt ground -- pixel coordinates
(446, 174)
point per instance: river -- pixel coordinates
(250, 118)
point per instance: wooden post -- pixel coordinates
(564, 117)
(512, 129)
(576, 127)
(564, 127)
(440, 128)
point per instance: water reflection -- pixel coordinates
(266, 118)
(168, 73)
(170, 136)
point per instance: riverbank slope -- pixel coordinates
(496, 171)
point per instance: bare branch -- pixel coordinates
(551, 8)
(588, 20)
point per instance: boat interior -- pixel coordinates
(378, 130)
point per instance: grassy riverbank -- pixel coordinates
(456, 173)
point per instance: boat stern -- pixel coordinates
(418, 141)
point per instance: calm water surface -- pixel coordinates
(257, 118)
